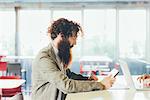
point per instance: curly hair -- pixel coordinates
(65, 27)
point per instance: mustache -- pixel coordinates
(64, 51)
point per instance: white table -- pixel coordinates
(110, 95)
(10, 83)
(120, 91)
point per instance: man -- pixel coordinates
(51, 78)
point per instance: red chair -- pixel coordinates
(12, 91)
(3, 67)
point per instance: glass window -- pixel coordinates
(99, 28)
(33, 25)
(132, 33)
(7, 32)
(74, 15)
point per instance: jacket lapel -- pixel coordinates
(52, 54)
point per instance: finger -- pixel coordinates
(146, 76)
(94, 77)
(138, 78)
(113, 79)
(110, 75)
(143, 77)
(111, 85)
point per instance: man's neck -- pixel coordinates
(55, 43)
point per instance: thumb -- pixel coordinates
(110, 75)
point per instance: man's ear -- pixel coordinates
(62, 35)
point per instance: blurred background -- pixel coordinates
(113, 29)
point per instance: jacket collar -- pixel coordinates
(53, 55)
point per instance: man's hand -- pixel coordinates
(108, 81)
(143, 77)
(93, 77)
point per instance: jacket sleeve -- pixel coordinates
(49, 71)
(72, 75)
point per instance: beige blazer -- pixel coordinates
(49, 81)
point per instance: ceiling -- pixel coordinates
(21, 1)
(72, 3)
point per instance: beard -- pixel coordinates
(71, 46)
(64, 51)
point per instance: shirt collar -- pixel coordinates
(55, 49)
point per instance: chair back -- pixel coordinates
(14, 69)
(11, 91)
(3, 68)
(18, 96)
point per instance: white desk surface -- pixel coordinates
(119, 92)
(110, 95)
(11, 83)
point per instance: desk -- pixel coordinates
(10, 83)
(119, 91)
(110, 95)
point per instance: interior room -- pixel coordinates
(116, 35)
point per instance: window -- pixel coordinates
(74, 15)
(33, 25)
(7, 32)
(100, 28)
(132, 33)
